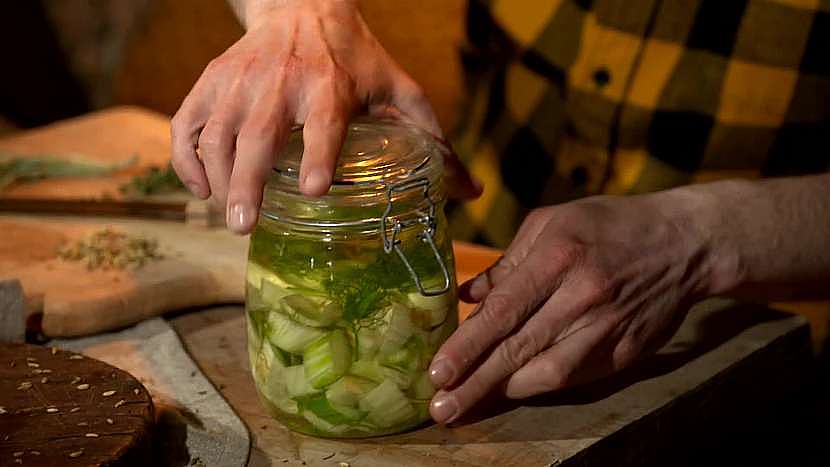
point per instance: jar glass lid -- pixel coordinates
(376, 155)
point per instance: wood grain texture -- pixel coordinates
(691, 394)
(200, 267)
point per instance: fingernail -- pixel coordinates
(316, 183)
(444, 409)
(441, 372)
(238, 217)
(196, 189)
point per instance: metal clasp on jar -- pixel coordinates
(427, 220)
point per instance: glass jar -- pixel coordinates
(351, 294)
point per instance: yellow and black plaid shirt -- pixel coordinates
(569, 98)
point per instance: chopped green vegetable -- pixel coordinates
(348, 390)
(327, 359)
(387, 405)
(290, 335)
(153, 181)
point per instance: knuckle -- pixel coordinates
(626, 352)
(554, 375)
(496, 309)
(518, 350)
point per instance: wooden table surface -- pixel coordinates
(726, 364)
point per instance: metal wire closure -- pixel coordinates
(427, 220)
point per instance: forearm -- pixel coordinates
(767, 240)
(247, 11)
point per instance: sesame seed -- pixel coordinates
(51, 410)
(24, 386)
(107, 393)
(119, 403)
(3, 410)
(31, 359)
(77, 453)
(76, 357)
(32, 365)
(75, 409)
(54, 350)
(18, 461)
(83, 424)
(91, 435)
(109, 421)
(17, 454)
(44, 380)
(136, 391)
(76, 380)
(82, 386)
(34, 453)
(45, 370)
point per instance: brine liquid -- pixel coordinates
(339, 338)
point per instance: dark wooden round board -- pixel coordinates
(60, 408)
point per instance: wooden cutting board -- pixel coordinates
(200, 267)
(721, 374)
(108, 136)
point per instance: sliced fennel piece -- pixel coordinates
(429, 312)
(401, 379)
(422, 388)
(400, 328)
(327, 358)
(295, 383)
(348, 390)
(368, 342)
(387, 406)
(369, 369)
(290, 335)
(313, 312)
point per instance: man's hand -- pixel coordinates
(589, 287)
(302, 62)
(585, 289)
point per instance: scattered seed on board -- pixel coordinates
(24, 386)
(51, 410)
(119, 403)
(76, 357)
(107, 393)
(76, 380)
(74, 409)
(44, 380)
(82, 386)
(91, 435)
(109, 421)
(77, 453)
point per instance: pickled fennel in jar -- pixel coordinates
(350, 295)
